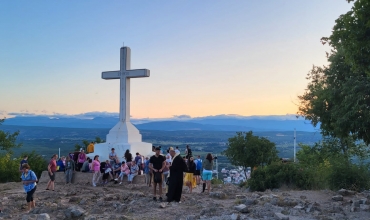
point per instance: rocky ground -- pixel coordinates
(82, 201)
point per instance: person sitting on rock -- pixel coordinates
(134, 170)
(125, 170)
(107, 172)
(117, 168)
(85, 165)
(60, 164)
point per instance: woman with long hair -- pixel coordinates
(95, 165)
(189, 174)
(81, 159)
(207, 172)
(128, 156)
(29, 180)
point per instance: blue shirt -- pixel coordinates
(146, 167)
(30, 176)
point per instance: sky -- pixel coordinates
(208, 57)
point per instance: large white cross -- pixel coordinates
(124, 74)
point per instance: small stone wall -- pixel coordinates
(82, 178)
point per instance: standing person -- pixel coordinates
(29, 180)
(188, 152)
(52, 169)
(177, 150)
(75, 157)
(90, 148)
(134, 170)
(207, 171)
(189, 174)
(96, 169)
(128, 156)
(139, 162)
(198, 163)
(112, 157)
(166, 170)
(157, 163)
(177, 168)
(69, 169)
(81, 159)
(25, 160)
(147, 172)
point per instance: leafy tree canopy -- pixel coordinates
(338, 95)
(247, 150)
(7, 140)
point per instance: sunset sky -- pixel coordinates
(206, 57)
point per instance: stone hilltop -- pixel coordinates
(82, 201)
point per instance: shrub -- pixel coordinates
(277, 174)
(347, 175)
(217, 181)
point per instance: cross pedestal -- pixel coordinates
(123, 135)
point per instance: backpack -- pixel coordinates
(199, 164)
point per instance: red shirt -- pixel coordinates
(53, 165)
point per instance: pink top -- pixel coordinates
(95, 165)
(81, 157)
(125, 169)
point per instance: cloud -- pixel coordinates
(21, 114)
(182, 116)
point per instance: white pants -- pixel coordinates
(121, 175)
(131, 177)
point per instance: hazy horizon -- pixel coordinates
(205, 57)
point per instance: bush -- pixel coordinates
(217, 181)
(349, 176)
(36, 162)
(9, 168)
(277, 174)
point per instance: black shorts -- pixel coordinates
(52, 177)
(197, 173)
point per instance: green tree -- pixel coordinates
(36, 162)
(98, 140)
(338, 95)
(247, 150)
(7, 140)
(351, 33)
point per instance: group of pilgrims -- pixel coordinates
(168, 172)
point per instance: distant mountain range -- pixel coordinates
(182, 122)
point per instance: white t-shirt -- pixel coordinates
(177, 151)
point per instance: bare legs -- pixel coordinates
(50, 185)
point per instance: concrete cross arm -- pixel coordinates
(137, 73)
(128, 73)
(111, 75)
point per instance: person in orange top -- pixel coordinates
(90, 148)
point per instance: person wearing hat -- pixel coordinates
(157, 163)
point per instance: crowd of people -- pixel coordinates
(165, 172)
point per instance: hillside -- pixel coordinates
(130, 202)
